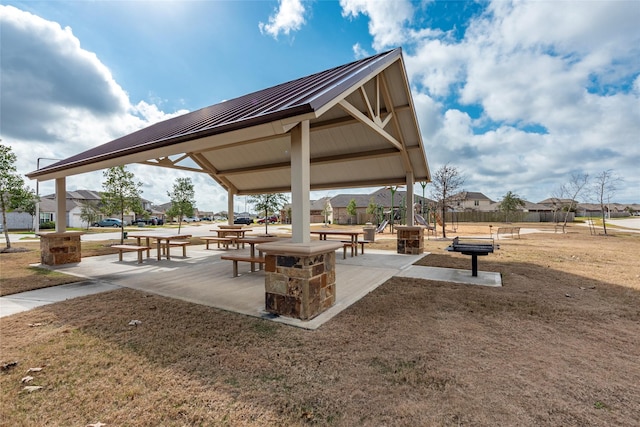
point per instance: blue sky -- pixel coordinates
(517, 95)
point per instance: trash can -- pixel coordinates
(369, 232)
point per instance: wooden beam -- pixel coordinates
(365, 120)
(370, 154)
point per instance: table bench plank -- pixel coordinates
(179, 243)
(239, 258)
(225, 241)
(130, 248)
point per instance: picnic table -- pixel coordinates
(163, 242)
(475, 247)
(353, 237)
(234, 234)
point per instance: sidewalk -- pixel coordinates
(17, 303)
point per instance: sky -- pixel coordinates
(516, 95)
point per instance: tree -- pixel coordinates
(571, 191)
(509, 204)
(373, 209)
(90, 213)
(603, 188)
(121, 193)
(352, 209)
(326, 211)
(269, 204)
(445, 181)
(13, 192)
(182, 200)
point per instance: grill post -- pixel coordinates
(474, 265)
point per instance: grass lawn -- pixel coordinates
(558, 344)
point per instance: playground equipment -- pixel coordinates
(382, 226)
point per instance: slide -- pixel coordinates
(382, 226)
(420, 220)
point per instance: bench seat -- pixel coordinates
(348, 244)
(225, 241)
(180, 243)
(130, 248)
(240, 258)
(514, 231)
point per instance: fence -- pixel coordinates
(477, 216)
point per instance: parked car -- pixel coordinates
(154, 220)
(243, 220)
(108, 222)
(206, 218)
(271, 219)
(191, 219)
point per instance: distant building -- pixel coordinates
(469, 201)
(75, 200)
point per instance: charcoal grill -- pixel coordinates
(475, 247)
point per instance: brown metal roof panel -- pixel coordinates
(289, 99)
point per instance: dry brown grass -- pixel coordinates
(557, 345)
(17, 274)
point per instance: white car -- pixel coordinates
(191, 219)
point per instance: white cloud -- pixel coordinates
(556, 86)
(387, 19)
(289, 16)
(59, 99)
(359, 52)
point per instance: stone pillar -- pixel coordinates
(60, 248)
(410, 239)
(300, 279)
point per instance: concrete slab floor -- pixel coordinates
(484, 278)
(202, 278)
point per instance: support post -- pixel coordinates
(61, 205)
(230, 206)
(300, 183)
(409, 201)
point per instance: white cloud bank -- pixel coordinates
(59, 99)
(531, 93)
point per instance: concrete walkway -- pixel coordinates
(203, 278)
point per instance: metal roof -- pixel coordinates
(363, 132)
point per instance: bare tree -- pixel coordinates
(603, 188)
(445, 181)
(570, 191)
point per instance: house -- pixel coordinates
(321, 210)
(382, 198)
(556, 203)
(75, 201)
(469, 201)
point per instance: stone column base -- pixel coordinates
(300, 278)
(410, 240)
(60, 248)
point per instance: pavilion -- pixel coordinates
(351, 126)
